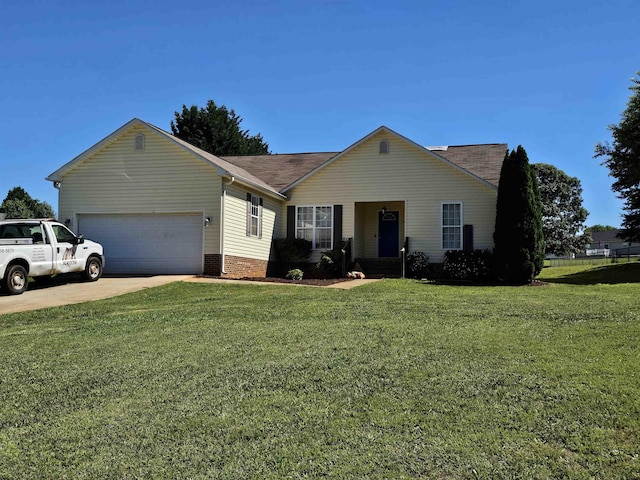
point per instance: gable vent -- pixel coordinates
(139, 142)
(384, 146)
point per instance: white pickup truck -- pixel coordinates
(42, 248)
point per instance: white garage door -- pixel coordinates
(147, 244)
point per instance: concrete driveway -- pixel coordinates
(72, 289)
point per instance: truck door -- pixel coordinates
(41, 262)
(69, 254)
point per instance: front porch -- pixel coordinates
(380, 267)
(379, 236)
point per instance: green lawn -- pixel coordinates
(397, 379)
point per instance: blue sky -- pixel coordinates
(320, 75)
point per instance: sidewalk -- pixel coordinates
(349, 284)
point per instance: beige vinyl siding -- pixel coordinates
(358, 247)
(236, 241)
(408, 175)
(161, 178)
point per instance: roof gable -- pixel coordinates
(481, 162)
(223, 167)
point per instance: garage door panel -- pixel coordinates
(147, 244)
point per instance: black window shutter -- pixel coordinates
(337, 226)
(467, 237)
(291, 221)
(260, 218)
(248, 214)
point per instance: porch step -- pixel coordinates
(382, 267)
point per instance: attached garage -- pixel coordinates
(146, 244)
(146, 196)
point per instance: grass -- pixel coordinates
(396, 379)
(590, 275)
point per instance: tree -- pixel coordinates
(19, 204)
(623, 160)
(518, 237)
(563, 215)
(216, 130)
(599, 228)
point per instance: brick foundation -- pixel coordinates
(236, 267)
(212, 264)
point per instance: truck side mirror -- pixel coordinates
(79, 239)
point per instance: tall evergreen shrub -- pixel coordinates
(519, 242)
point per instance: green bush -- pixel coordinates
(294, 274)
(290, 253)
(330, 264)
(473, 265)
(417, 265)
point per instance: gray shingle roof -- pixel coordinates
(274, 173)
(606, 236)
(280, 171)
(484, 161)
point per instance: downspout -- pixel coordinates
(57, 184)
(224, 196)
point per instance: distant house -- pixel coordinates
(607, 243)
(160, 205)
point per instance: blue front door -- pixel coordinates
(388, 234)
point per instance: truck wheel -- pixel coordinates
(16, 279)
(93, 269)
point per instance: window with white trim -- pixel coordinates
(451, 226)
(315, 223)
(254, 216)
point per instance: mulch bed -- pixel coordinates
(323, 282)
(319, 282)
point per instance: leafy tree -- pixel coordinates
(19, 204)
(623, 160)
(518, 237)
(15, 209)
(599, 228)
(563, 215)
(216, 130)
